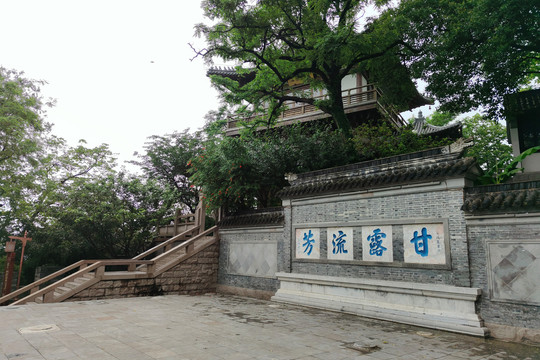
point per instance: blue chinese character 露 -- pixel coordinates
(308, 244)
(375, 245)
(421, 242)
(339, 243)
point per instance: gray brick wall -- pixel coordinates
(513, 313)
(471, 240)
(251, 236)
(347, 210)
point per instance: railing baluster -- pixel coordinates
(48, 297)
(100, 271)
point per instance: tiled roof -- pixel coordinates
(493, 199)
(384, 174)
(231, 73)
(225, 71)
(421, 127)
(255, 218)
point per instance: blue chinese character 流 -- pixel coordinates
(339, 243)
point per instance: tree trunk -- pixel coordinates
(336, 108)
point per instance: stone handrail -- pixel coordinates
(188, 244)
(168, 243)
(136, 268)
(86, 267)
(33, 287)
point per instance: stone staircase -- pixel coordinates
(156, 267)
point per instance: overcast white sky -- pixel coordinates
(119, 69)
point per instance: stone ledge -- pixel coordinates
(435, 306)
(515, 334)
(239, 291)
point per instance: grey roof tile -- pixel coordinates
(494, 199)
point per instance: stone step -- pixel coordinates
(62, 290)
(81, 280)
(72, 284)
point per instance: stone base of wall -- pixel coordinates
(194, 276)
(434, 306)
(515, 334)
(252, 293)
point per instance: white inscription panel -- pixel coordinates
(424, 244)
(377, 243)
(308, 243)
(340, 243)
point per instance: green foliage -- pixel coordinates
(110, 216)
(166, 159)
(470, 52)
(490, 145)
(378, 141)
(440, 118)
(23, 136)
(21, 122)
(245, 172)
(505, 169)
(70, 198)
(489, 137)
(315, 42)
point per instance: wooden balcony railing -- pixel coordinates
(354, 97)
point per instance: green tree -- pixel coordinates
(23, 137)
(439, 118)
(490, 145)
(489, 136)
(166, 158)
(471, 53)
(374, 141)
(22, 126)
(316, 42)
(246, 172)
(112, 215)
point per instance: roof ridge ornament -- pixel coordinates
(458, 146)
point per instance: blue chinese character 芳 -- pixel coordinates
(308, 244)
(339, 243)
(421, 242)
(375, 245)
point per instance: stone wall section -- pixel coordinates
(249, 258)
(517, 316)
(194, 276)
(427, 202)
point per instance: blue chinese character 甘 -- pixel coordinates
(375, 245)
(421, 242)
(308, 244)
(339, 243)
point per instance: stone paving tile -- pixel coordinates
(225, 327)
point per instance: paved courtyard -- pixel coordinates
(224, 327)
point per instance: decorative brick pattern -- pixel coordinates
(427, 204)
(508, 237)
(252, 268)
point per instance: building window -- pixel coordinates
(529, 132)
